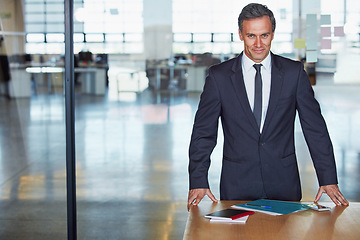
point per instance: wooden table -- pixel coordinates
(340, 223)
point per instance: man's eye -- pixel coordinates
(265, 35)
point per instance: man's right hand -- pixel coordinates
(196, 195)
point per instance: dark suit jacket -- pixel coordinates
(255, 163)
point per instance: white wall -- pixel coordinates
(12, 19)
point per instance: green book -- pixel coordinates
(272, 207)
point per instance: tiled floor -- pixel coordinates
(131, 152)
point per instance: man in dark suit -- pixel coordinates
(257, 106)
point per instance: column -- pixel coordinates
(157, 17)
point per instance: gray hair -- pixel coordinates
(255, 10)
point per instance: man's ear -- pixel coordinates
(241, 36)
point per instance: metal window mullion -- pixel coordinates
(70, 121)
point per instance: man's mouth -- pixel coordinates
(258, 51)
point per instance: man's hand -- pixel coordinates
(196, 195)
(334, 193)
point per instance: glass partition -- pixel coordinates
(134, 116)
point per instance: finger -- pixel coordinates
(191, 199)
(197, 200)
(334, 196)
(188, 206)
(334, 199)
(194, 199)
(190, 202)
(318, 195)
(341, 199)
(211, 196)
(344, 201)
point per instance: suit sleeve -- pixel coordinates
(315, 131)
(204, 135)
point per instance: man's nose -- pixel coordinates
(258, 42)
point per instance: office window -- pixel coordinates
(222, 37)
(350, 18)
(216, 22)
(94, 37)
(54, 7)
(37, 37)
(35, 28)
(55, 17)
(34, 17)
(56, 37)
(352, 23)
(202, 37)
(54, 27)
(78, 37)
(34, 7)
(182, 37)
(96, 23)
(114, 38)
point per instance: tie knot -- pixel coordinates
(257, 67)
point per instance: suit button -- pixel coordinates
(262, 143)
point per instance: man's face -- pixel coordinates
(257, 35)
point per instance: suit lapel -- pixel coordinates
(239, 86)
(277, 79)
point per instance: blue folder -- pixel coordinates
(273, 207)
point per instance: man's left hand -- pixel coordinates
(334, 193)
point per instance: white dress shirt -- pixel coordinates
(249, 79)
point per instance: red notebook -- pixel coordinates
(229, 214)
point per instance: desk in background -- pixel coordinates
(180, 77)
(340, 223)
(93, 79)
(46, 73)
(20, 83)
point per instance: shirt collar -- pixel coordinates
(248, 63)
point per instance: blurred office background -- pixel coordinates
(140, 66)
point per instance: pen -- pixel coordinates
(256, 205)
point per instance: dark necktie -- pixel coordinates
(258, 95)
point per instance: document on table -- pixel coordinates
(238, 220)
(229, 215)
